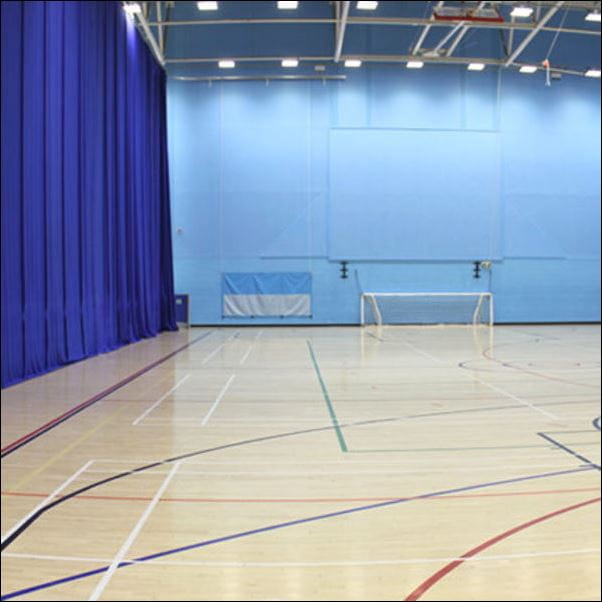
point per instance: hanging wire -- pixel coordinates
(546, 61)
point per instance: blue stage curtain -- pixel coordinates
(86, 235)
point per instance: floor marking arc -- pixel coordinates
(187, 455)
(45, 502)
(277, 526)
(428, 583)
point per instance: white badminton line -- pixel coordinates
(246, 355)
(511, 396)
(492, 387)
(243, 564)
(218, 399)
(154, 405)
(48, 499)
(207, 358)
(127, 544)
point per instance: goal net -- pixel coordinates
(381, 309)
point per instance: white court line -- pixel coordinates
(350, 473)
(216, 402)
(584, 551)
(132, 536)
(511, 396)
(299, 461)
(421, 352)
(143, 415)
(48, 499)
(246, 355)
(493, 387)
(218, 348)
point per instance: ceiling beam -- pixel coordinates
(151, 39)
(462, 33)
(341, 30)
(424, 32)
(232, 78)
(160, 28)
(337, 16)
(435, 51)
(148, 35)
(394, 21)
(580, 6)
(374, 58)
(530, 37)
(511, 38)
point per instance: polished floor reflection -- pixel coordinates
(334, 463)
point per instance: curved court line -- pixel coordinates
(486, 351)
(34, 517)
(25, 439)
(277, 526)
(428, 583)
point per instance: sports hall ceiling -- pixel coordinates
(321, 36)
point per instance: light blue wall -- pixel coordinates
(410, 175)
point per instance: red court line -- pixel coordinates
(82, 406)
(297, 500)
(428, 583)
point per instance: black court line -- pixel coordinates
(123, 474)
(569, 450)
(34, 517)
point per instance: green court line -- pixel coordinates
(448, 449)
(333, 416)
(459, 449)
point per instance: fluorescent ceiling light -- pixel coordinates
(353, 63)
(207, 5)
(290, 62)
(367, 5)
(226, 64)
(528, 69)
(521, 11)
(287, 5)
(594, 16)
(132, 9)
(476, 66)
(592, 73)
(414, 64)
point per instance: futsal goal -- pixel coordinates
(383, 309)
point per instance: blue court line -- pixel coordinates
(292, 523)
(569, 450)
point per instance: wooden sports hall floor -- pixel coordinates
(431, 463)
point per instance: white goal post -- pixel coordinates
(426, 308)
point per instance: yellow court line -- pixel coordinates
(25, 480)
